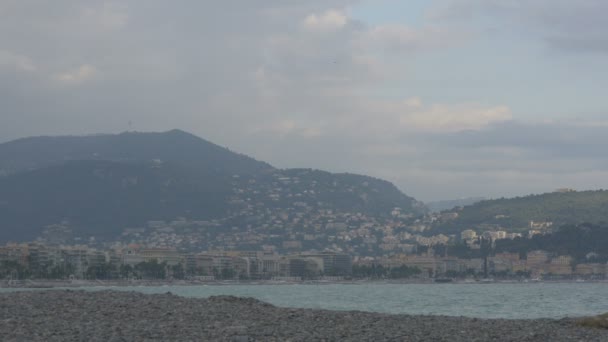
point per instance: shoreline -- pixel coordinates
(50, 283)
(115, 316)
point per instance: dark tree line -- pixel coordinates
(380, 272)
(102, 271)
(516, 213)
(585, 243)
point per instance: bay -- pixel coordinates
(510, 300)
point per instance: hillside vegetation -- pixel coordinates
(438, 206)
(515, 214)
(100, 185)
(584, 242)
(339, 191)
(172, 146)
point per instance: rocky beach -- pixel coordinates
(74, 315)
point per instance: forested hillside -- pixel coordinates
(171, 146)
(98, 186)
(515, 214)
(584, 242)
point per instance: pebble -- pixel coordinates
(129, 316)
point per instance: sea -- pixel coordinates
(495, 300)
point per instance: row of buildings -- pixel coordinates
(43, 260)
(77, 261)
(535, 264)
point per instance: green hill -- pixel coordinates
(336, 191)
(577, 241)
(100, 185)
(515, 214)
(438, 206)
(101, 198)
(173, 146)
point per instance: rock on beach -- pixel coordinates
(66, 315)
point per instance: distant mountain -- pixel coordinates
(172, 146)
(101, 198)
(437, 206)
(515, 214)
(96, 186)
(337, 191)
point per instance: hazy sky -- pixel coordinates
(445, 98)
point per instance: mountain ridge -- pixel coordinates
(174, 145)
(442, 205)
(100, 185)
(515, 214)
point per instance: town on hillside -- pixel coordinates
(167, 250)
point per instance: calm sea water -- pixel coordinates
(526, 300)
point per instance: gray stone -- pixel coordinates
(127, 316)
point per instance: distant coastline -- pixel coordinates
(51, 283)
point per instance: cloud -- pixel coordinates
(577, 43)
(400, 38)
(571, 140)
(79, 75)
(573, 26)
(105, 16)
(502, 159)
(330, 20)
(16, 61)
(460, 117)
(414, 116)
(299, 84)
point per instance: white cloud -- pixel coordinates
(282, 127)
(288, 128)
(296, 83)
(16, 61)
(75, 76)
(453, 118)
(106, 17)
(397, 38)
(414, 102)
(390, 150)
(392, 118)
(330, 20)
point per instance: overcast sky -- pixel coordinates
(445, 98)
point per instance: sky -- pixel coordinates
(445, 98)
